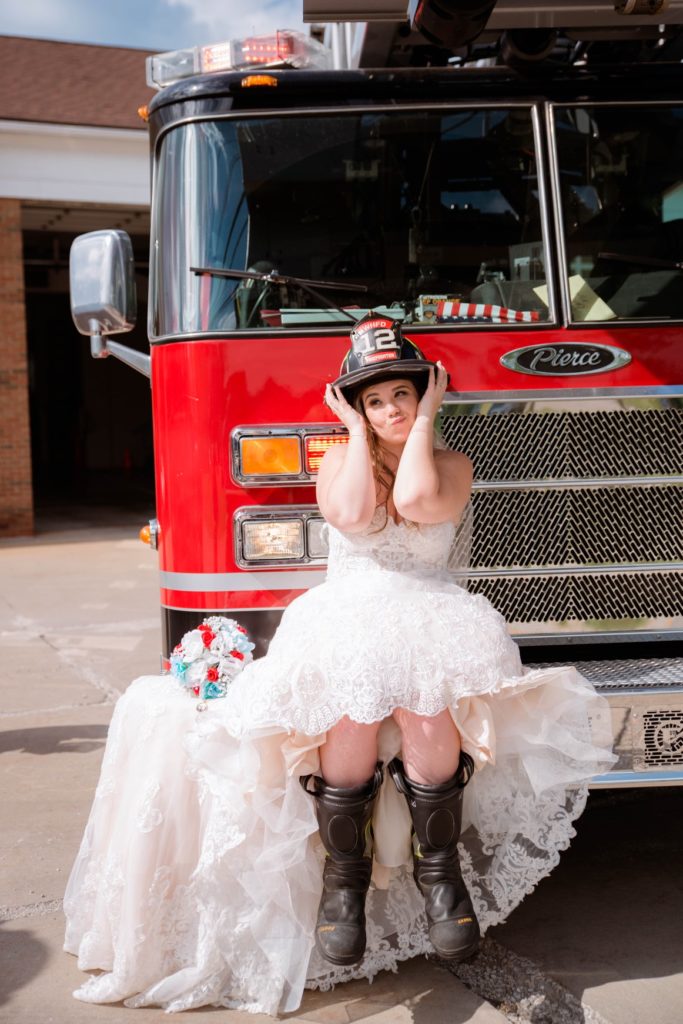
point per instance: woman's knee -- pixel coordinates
(430, 745)
(426, 728)
(349, 753)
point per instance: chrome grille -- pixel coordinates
(586, 598)
(663, 735)
(630, 674)
(560, 444)
(602, 526)
(559, 541)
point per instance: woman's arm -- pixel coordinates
(346, 486)
(431, 487)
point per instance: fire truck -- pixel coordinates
(511, 191)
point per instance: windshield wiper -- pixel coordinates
(273, 277)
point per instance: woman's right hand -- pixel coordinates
(352, 420)
(345, 487)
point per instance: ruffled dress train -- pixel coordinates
(199, 875)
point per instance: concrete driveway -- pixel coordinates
(600, 940)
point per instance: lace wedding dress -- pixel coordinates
(199, 874)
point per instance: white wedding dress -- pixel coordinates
(199, 874)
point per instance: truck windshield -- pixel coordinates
(621, 182)
(434, 214)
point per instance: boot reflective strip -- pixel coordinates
(299, 579)
(367, 839)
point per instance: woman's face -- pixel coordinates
(390, 408)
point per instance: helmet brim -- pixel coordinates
(356, 380)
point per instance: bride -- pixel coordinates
(387, 782)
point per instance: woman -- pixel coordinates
(409, 481)
(199, 878)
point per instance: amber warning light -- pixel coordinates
(270, 456)
(253, 80)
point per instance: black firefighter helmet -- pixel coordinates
(380, 352)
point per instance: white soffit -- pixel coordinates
(73, 163)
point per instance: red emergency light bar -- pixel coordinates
(282, 49)
(315, 447)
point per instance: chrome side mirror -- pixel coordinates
(103, 298)
(102, 283)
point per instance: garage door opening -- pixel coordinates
(91, 422)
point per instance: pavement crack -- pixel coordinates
(519, 989)
(105, 702)
(90, 676)
(47, 641)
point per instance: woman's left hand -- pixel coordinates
(430, 402)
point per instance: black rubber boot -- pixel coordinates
(344, 820)
(437, 816)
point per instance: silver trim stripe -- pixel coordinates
(301, 579)
(220, 611)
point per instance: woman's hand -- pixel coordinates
(345, 487)
(352, 420)
(429, 404)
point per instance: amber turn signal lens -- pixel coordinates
(145, 534)
(252, 80)
(270, 456)
(315, 447)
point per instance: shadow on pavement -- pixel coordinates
(612, 910)
(54, 739)
(23, 957)
(416, 993)
(68, 523)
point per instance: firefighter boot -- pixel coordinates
(437, 815)
(345, 822)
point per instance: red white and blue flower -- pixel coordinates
(208, 658)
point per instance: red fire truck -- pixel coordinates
(526, 228)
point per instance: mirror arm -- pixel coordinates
(101, 346)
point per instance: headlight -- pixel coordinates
(279, 536)
(273, 540)
(316, 540)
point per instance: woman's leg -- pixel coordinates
(432, 777)
(344, 800)
(431, 746)
(349, 754)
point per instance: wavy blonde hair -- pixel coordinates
(382, 473)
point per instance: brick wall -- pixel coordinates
(16, 493)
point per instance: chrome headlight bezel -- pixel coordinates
(307, 515)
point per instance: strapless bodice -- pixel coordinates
(390, 546)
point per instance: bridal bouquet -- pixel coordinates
(208, 658)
